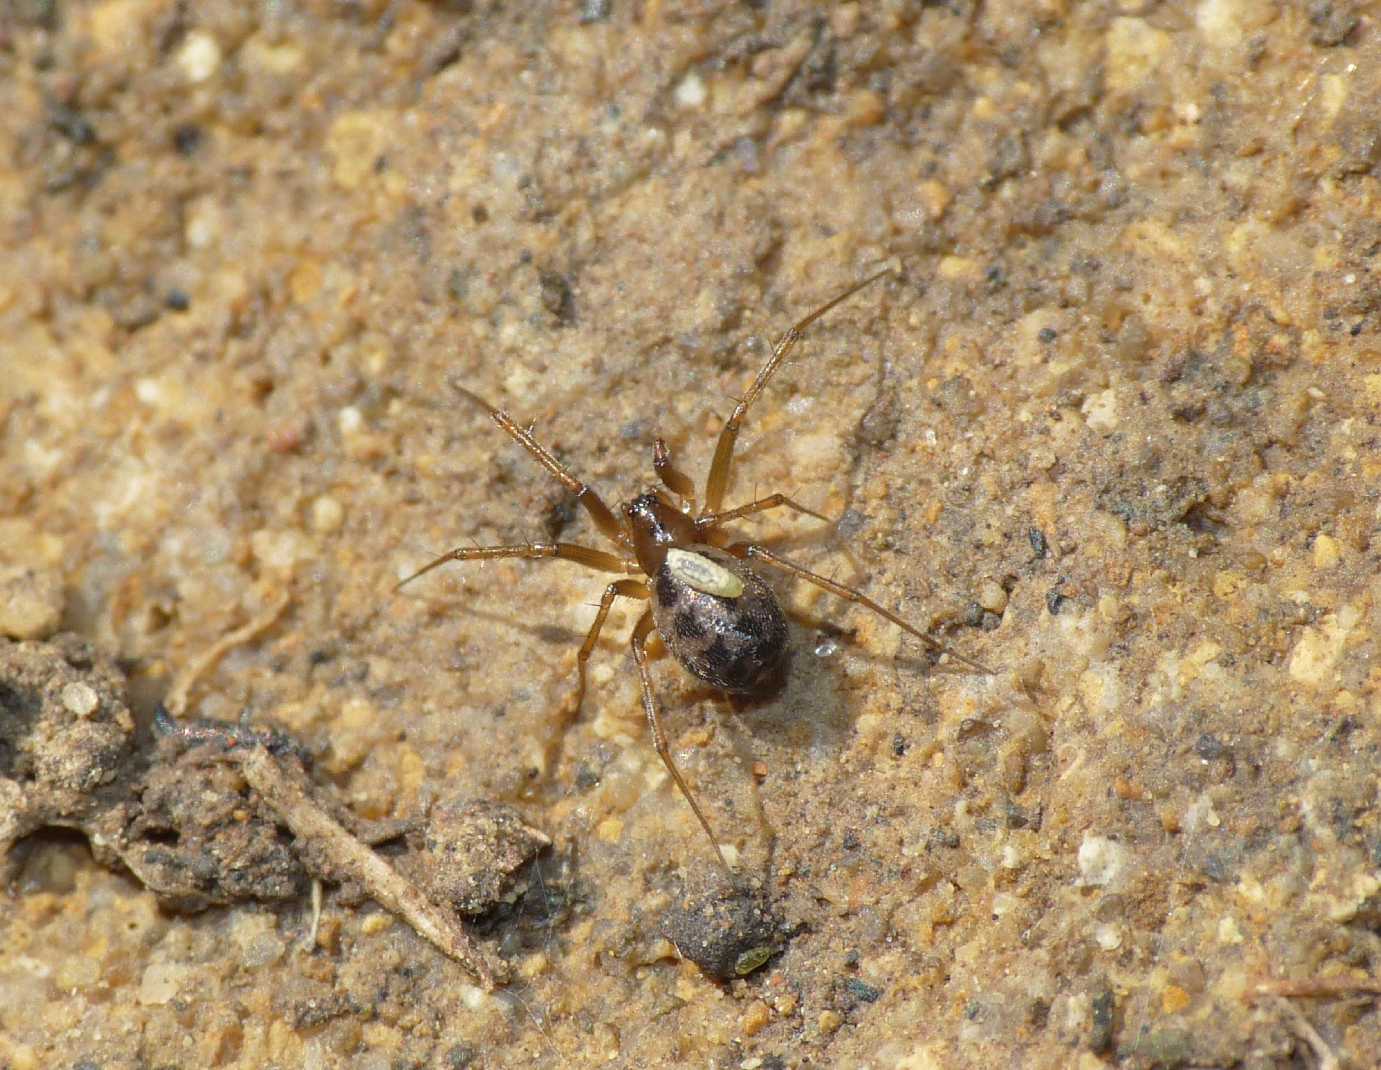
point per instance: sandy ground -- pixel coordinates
(1110, 428)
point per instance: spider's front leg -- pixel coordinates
(718, 480)
(569, 551)
(585, 494)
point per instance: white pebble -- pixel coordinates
(1228, 23)
(350, 420)
(203, 224)
(1228, 931)
(279, 550)
(327, 515)
(1100, 410)
(691, 92)
(1101, 861)
(199, 57)
(992, 597)
(161, 981)
(30, 603)
(80, 699)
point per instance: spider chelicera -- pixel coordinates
(715, 615)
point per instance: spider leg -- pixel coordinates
(712, 520)
(718, 481)
(581, 555)
(753, 550)
(675, 480)
(640, 633)
(617, 589)
(551, 753)
(593, 504)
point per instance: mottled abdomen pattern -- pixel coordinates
(735, 644)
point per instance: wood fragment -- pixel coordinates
(288, 791)
(1317, 988)
(1305, 1030)
(176, 699)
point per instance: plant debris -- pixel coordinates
(216, 814)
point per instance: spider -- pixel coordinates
(714, 613)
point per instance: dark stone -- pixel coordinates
(727, 932)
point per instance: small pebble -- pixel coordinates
(755, 1018)
(80, 699)
(1327, 552)
(691, 94)
(1101, 861)
(830, 1021)
(1174, 999)
(475, 851)
(862, 990)
(327, 515)
(992, 597)
(199, 57)
(279, 550)
(263, 950)
(161, 981)
(727, 932)
(1101, 412)
(350, 420)
(30, 603)
(376, 923)
(202, 223)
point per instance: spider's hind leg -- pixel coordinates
(617, 589)
(761, 553)
(659, 740)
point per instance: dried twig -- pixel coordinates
(1317, 988)
(310, 936)
(1306, 1032)
(286, 789)
(176, 699)
(289, 792)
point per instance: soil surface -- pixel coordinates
(1109, 428)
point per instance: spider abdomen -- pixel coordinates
(719, 619)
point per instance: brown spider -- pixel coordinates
(715, 615)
